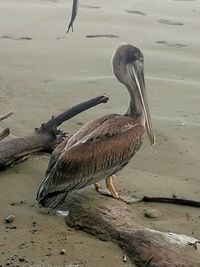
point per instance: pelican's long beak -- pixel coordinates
(136, 75)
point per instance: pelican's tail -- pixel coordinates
(49, 199)
(52, 200)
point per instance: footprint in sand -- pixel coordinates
(87, 6)
(184, 0)
(170, 22)
(12, 38)
(25, 38)
(5, 89)
(177, 45)
(102, 35)
(136, 12)
(54, 1)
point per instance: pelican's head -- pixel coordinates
(128, 67)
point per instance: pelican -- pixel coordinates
(102, 146)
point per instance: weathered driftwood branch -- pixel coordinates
(110, 219)
(58, 120)
(5, 132)
(44, 138)
(6, 115)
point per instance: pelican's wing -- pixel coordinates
(93, 157)
(85, 130)
(52, 161)
(89, 128)
(55, 155)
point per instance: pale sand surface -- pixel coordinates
(52, 71)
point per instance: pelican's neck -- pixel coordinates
(135, 107)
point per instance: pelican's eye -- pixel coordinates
(141, 60)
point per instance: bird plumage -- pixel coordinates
(99, 149)
(102, 146)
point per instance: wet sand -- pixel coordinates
(43, 71)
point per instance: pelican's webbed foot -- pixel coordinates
(111, 192)
(129, 199)
(103, 192)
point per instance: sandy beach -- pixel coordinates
(43, 71)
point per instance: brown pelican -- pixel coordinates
(102, 146)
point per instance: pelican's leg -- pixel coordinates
(97, 187)
(111, 188)
(111, 192)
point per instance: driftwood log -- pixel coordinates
(110, 219)
(5, 132)
(45, 138)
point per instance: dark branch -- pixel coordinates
(44, 138)
(54, 122)
(172, 200)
